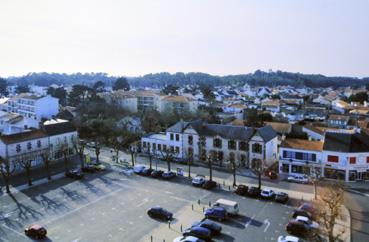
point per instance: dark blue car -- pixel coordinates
(198, 232)
(215, 228)
(160, 213)
(217, 213)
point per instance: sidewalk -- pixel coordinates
(343, 225)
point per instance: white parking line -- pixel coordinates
(267, 223)
(249, 222)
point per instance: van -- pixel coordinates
(230, 206)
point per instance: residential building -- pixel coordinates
(32, 106)
(338, 121)
(177, 104)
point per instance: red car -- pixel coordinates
(35, 231)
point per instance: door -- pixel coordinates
(359, 176)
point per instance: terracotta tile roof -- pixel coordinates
(176, 99)
(339, 117)
(281, 128)
(302, 144)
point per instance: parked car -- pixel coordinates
(298, 178)
(199, 232)
(299, 212)
(89, 168)
(208, 185)
(160, 213)
(198, 180)
(138, 169)
(167, 175)
(267, 193)
(35, 231)
(241, 190)
(253, 192)
(215, 228)
(308, 207)
(146, 172)
(187, 239)
(92, 168)
(297, 228)
(281, 197)
(289, 238)
(312, 224)
(230, 206)
(217, 213)
(74, 174)
(156, 173)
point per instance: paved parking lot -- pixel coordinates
(112, 207)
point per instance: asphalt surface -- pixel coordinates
(110, 206)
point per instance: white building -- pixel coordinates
(30, 144)
(224, 143)
(36, 107)
(342, 156)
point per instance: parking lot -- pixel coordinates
(111, 206)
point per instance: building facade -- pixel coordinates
(341, 156)
(35, 107)
(222, 143)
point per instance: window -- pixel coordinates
(232, 156)
(242, 146)
(172, 149)
(190, 152)
(352, 160)
(177, 149)
(190, 139)
(177, 137)
(332, 158)
(154, 146)
(18, 148)
(29, 146)
(367, 159)
(144, 144)
(171, 137)
(257, 148)
(165, 147)
(159, 147)
(232, 145)
(217, 143)
(39, 143)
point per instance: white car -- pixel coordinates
(138, 169)
(198, 180)
(289, 238)
(312, 224)
(187, 239)
(298, 178)
(267, 193)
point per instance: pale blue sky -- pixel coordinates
(214, 36)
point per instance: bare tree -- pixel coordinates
(329, 202)
(210, 159)
(132, 151)
(233, 167)
(315, 177)
(46, 159)
(64, 149)
(7, 169)
(168, 155)
(97, 150)
(79, 147)
(25, 161)
(150, 155)
(258, 168)
(189, 158)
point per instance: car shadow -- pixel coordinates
(225, 238)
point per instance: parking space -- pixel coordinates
(110, 206)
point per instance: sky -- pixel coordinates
(220, 37)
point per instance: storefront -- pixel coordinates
(337, 174)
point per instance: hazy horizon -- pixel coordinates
(219, 37)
